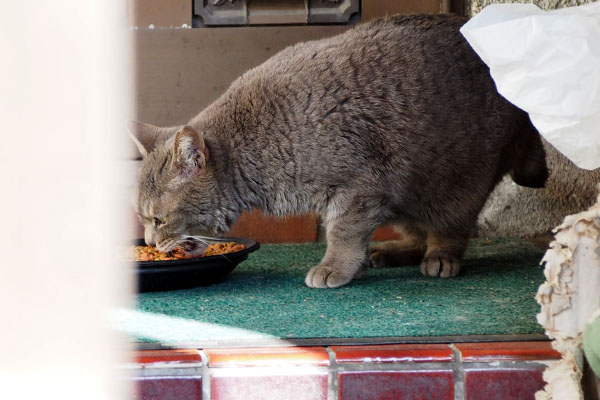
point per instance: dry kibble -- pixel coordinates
(223, 248)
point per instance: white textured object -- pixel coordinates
(570, 295)
(548, 64)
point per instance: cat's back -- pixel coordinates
(381, 42)
(396, 57)
(393, 80)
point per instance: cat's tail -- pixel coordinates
(529, 158)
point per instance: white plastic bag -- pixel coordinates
(548, 64)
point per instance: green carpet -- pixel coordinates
(265, 298)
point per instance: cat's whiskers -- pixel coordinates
(205, 240)
(167, 245)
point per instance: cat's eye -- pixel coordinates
(159, 221)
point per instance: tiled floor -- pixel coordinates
(470, 371)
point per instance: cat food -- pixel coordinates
(150, 253)
(223, 248)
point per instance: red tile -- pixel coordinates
(269, 387)
(270, 229)
(265, 356)
(167, 356)
(392, 385)
(385, 233)
(393, 353)
(168, 388)
(507, 351)
(502, 384)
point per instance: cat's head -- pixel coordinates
(176, 196)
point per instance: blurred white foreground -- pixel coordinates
(63, 103)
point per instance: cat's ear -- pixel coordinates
(189, 152)
(147, 136)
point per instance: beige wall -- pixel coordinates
(160, 13)
(181, 71)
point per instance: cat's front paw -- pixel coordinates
(440, 266)
(323, 276)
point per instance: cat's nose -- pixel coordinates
(149, 239)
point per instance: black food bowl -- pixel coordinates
(156, 276)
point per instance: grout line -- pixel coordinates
(332, 376)
(205, 375)
(394, 366)
(171, 372)
(507, 364)
(262, 371)
(459, 374)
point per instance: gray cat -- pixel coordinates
(396, 121)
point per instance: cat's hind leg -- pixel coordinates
(443, 255)
(395, 253)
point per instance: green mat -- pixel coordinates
(265, 298)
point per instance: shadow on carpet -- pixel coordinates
(265, 298)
